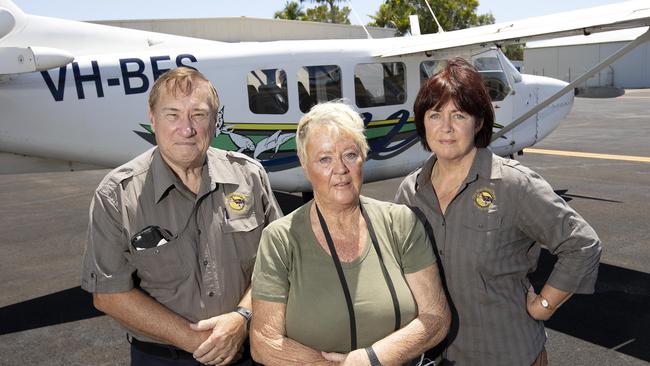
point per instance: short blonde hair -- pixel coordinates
(336, 116)
(181, 79)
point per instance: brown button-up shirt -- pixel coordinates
(486, 245)
(205, 267)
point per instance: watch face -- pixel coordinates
(245, 312)
(544, 303)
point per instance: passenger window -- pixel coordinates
(379, 84)
(429, 68)
(494, 78)
(318, 84)
(267, 91)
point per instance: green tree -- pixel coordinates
(327, 11)
(514, 52)
(323, 14)
(391, 15)
(485, 19)
(292, 11)
(452, 15)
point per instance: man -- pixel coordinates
(173, 234)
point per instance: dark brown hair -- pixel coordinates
(458, 82)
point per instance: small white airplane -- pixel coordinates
(76, 91)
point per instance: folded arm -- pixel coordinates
(425, 331)
(137, 311)
(269, 343)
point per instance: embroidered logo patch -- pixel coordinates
(237, 202)
(484, 198)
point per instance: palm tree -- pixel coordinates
(394, 14)
(292, 11)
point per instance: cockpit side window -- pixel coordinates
(494, 78)
(429, 68)
(379, 84)
(318, 84)
(267, 91)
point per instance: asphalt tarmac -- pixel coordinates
(46, 319)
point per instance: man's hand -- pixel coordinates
(357, 357)
(223, 345)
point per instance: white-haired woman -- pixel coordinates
(344, 279)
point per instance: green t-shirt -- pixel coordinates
(293, 268)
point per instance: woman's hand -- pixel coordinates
(356, 357)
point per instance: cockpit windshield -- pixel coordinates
(488, 64)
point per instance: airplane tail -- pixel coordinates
(31, 43)
(10, 16)
(16, 58)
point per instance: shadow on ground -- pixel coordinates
(74, 303)
(615, 317)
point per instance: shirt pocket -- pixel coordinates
(162, 267)
(482, 229)
(503, 252)
(245, 233)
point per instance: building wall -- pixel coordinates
(569, 62)
(244, 29)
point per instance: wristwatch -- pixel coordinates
(247, 314)
(545, 304)
(372, 356)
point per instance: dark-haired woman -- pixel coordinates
(487, 213)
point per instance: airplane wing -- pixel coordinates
(585, 21)
(31, 43)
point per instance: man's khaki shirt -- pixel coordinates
(485, 242)
(206, 267)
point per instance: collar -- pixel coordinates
(163, 177)
(424, 177)
(219, 170)
(483, 166)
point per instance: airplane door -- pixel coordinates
(490, 65)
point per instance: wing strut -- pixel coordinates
(606, 62)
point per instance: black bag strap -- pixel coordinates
(344, 284)
(389, 281)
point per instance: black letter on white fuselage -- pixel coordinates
(57, 92)
(80, 79)
(179, 60)
(138, 74)
(154, 66)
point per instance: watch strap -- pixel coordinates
(247, 314)
(372, 356)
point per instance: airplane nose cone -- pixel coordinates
(548, 86)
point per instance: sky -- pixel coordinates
(503, 10)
